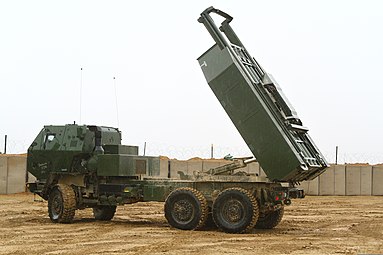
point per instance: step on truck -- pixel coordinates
(85, 166)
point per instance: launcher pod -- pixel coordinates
(257, 106)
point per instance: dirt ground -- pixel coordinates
(314, 225)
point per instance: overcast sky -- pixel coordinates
(326, 56)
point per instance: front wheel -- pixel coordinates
(62, 204)
(235, 210)
(186, 208)
(104, 212)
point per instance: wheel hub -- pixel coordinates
(233, 211)
(183, 211)
(56, 206)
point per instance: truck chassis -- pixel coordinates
(235, 204)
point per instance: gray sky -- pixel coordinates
(326, 55)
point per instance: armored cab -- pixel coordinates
(77, 151)
(257, 106)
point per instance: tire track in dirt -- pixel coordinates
(314, 225)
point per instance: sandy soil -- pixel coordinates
(314, 225)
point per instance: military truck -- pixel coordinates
(85, 166)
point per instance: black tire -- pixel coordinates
(235, 210)
(270, 220)
(104, 212)
(62, 204)
(186, 208)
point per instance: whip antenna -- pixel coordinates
(80, 93)
(115, 95)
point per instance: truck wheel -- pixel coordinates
(270, 220)
(62, 204)
(104, 212)
(186, 208)
(235, 210)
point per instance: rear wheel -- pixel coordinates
(235, 210)
(104, 212)
(62, 204)
(186, 208)
(270, 220)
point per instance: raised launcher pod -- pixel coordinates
(257, 107)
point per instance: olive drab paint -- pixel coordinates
(257, 106)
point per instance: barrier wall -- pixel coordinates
(16, 182)
(349, 180)
(311, 187)
(13, 174)
(339, 180)
(3, 175)
(377, 180)
(326, 183)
